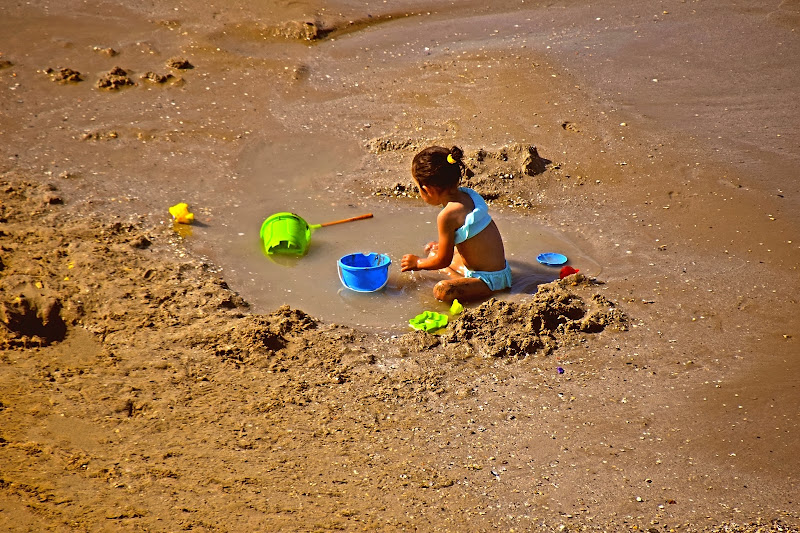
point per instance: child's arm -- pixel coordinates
(443, 253)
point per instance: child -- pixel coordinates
(470, 248)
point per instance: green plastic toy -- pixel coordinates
(285, 233)
(288, 233)
(428, 321)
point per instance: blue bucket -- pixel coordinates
(364, 272)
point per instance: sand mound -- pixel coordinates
(553, 316)
(257, 337)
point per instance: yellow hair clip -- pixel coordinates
(451, 159)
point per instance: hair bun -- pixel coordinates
(457, 154)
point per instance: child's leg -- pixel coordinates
(456, 265)
(462, 289)
(456, 268)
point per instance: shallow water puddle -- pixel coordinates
(312, 283)
(300, 175)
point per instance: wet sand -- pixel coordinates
(164, 387)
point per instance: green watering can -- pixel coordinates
(289, 234)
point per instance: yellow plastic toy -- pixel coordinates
(180, 213)
(456, 308)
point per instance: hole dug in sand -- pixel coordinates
(31, 321)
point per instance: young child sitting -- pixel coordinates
(470, 249)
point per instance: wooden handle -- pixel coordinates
(359, 217)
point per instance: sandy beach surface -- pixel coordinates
(162, 377)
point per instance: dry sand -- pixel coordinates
(140, 391)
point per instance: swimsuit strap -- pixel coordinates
(477, 220)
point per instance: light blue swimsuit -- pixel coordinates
(474, 223)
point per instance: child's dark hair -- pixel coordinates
(437, 166)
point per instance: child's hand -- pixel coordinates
(409, 262)
(431, 248)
